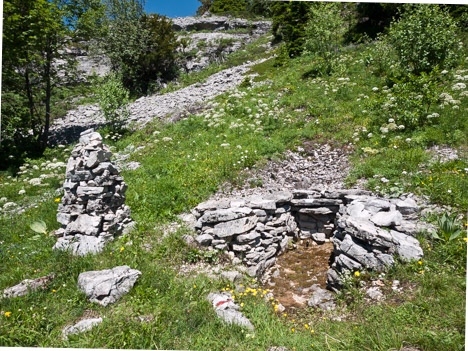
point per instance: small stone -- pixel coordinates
(374, 293)
(81, 326)
(204, 239)
(322, 299)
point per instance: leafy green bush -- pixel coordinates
(113, 100)
(221, 6)
(423, 38)
(142, 48)
(324, 33)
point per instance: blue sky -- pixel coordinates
(172, 8)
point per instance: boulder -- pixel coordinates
(107, 286)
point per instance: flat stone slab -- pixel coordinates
(81, 326)
(237, 226)
(109, 285)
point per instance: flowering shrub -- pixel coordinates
(406, 106)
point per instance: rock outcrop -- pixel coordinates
(92, 210)
(367, 232)
(109, 285)
(218, 23)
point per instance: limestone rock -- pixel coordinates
(204, 239)
(26, 286)
(387, 219)
(81, 326)
(237, 226)
(322, 299)
(109, 285)
(228, 310)
(81, 245)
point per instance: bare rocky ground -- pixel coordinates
(148, 108)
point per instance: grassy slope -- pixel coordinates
(177, 174)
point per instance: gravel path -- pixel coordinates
(147, 108)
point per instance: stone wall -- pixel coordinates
(92, 210)
(367, 231)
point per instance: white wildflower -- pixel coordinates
(459, 86)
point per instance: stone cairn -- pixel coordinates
(256, 229)
(92, 210)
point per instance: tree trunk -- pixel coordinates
(47, 73)
(31, 104)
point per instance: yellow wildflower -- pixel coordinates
(122, 248)
(57, 199)
(306, 326)
(419, 262)
(357, 274)
(194, 286)
(7, 314)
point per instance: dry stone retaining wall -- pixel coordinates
(92, 210)
(367, 232)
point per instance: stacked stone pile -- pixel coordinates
(255, 229)
(370, 233)
(367, 231)
(93, 207)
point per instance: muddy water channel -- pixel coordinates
(296, 271)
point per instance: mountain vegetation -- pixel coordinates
(384, 83)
